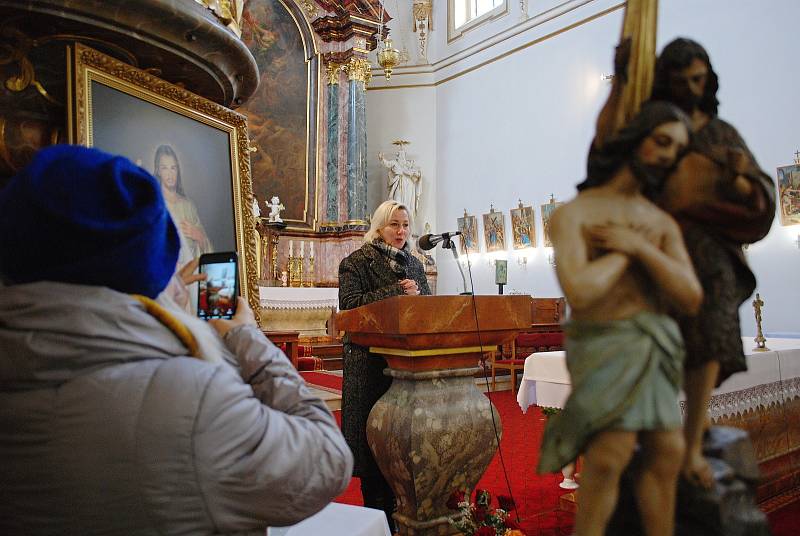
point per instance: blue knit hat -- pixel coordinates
(79, 215)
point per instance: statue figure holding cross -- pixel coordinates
(718, 194)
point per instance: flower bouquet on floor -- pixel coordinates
(479, 518)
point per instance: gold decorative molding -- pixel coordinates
(355, 222)
(422, 11)
(309, 8)
(228, 12)
(332, 72)
(16, 50)
(358, 69)
(437, 351)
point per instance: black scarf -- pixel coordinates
(397, 258)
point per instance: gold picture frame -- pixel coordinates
(494, 230)
(468, 225)
(523, 227)
(124, 110)
(547, 212)
(788, 184)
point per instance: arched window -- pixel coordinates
(466, 14)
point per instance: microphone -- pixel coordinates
(429, 241)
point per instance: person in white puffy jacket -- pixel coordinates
(120, 414)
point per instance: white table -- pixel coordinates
(545, 381)
(338, 520)
(771, 376)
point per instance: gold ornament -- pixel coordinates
(388, 58)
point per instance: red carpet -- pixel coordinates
(536, 496)
(323, 380)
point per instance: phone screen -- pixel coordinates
(216, 296)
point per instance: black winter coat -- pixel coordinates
(365, 277)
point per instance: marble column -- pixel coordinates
(358, 74)
(332, 149)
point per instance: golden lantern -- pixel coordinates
(388, 57)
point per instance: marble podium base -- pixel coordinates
(431, 433)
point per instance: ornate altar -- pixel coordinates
(308, 124)
(307, 119)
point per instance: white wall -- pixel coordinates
(408, 114)
(514, 121)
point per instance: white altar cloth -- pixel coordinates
(771, 377)
(298, 297)
(338, 520)
(301, 309)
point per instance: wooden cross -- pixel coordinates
(797, 157)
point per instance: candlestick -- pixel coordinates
(290, 247)
(309, 276)
(311, 254)
(302, 247)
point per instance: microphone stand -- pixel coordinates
(447, 243)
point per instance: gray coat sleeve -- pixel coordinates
(266, 450)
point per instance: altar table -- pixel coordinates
(771, 377)
(297, 308)
(338, 520)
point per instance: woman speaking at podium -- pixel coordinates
(383, 267)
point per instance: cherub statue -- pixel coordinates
(404, 178)
(275, 208)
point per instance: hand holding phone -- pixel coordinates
(216, 295)
(244, 317)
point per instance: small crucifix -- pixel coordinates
(761, 346)
(797, 157)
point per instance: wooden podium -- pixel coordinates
(433, 432)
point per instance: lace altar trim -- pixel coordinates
(306, 304)
(752, 398)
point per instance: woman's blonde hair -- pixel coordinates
(382, 216)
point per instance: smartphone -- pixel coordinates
(216, 296)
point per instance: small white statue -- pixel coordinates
(275, 208)
(404, 178)
(256, 209)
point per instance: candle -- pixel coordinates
(290, 248)
(302, 247)
(311, 254)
